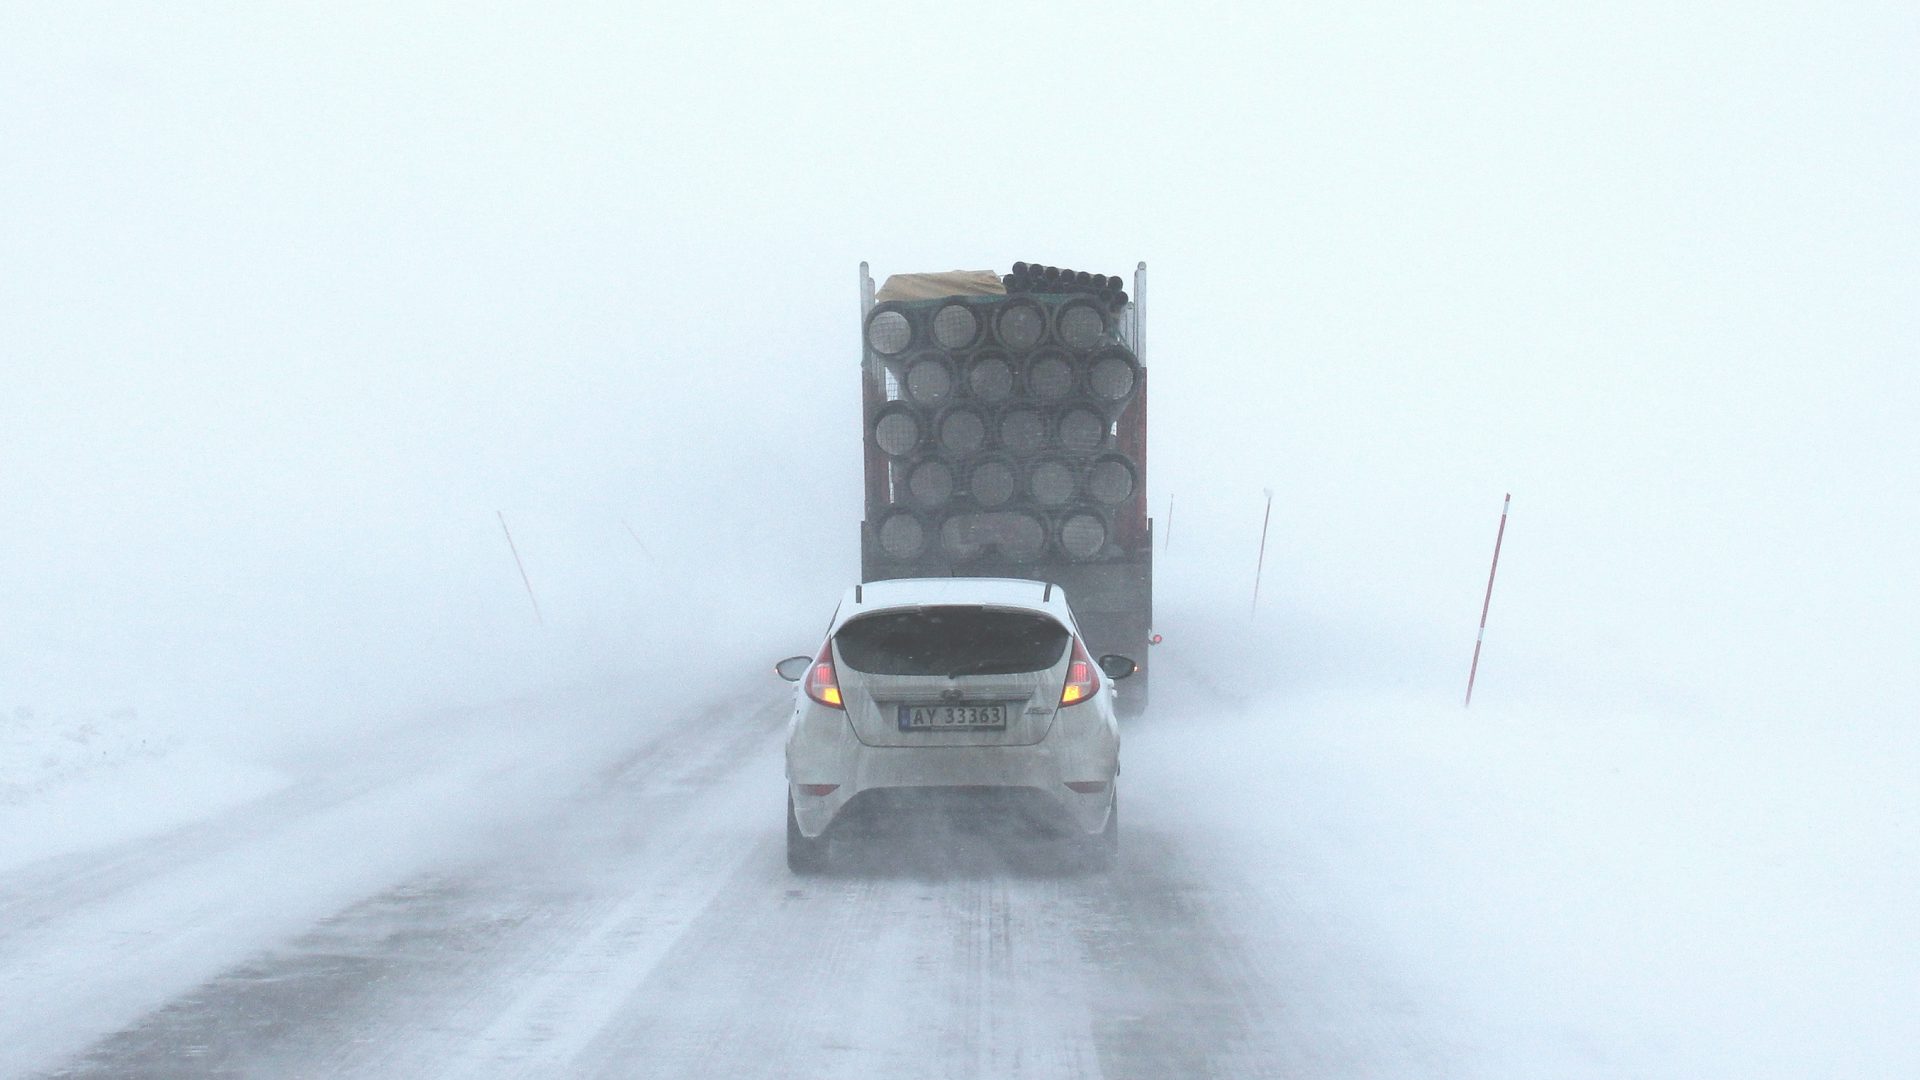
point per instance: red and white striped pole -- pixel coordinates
(1488, 602)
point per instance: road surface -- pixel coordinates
(468, 900)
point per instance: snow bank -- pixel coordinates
(1570, 887)
(40, 752)
(76, 780)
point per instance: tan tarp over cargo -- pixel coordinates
(933, 286)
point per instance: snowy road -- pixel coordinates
(592, 883)
(629, 913)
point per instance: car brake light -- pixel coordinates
(823, 683)
(1083, 679)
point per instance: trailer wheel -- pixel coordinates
(1130, 697)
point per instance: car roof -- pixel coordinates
(926, 592)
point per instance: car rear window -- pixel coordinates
(952, 640)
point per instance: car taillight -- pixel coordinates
(823, 683)
(1083, 679)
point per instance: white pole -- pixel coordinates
(523, 567)
(1488, 602)
(1262, 564)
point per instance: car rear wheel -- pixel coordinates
(805, 855)
(1103, 848)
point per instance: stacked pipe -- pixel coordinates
(1032, 278)
(993, 419)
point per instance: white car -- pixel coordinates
(973, 695)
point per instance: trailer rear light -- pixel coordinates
(828, 789)
(823, 683)
(1083, 787)
(1083, 679)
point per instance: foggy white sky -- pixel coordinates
(294, 301)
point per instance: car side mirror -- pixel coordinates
(793, 667)
(1117, 667)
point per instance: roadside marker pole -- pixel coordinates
(522, 566)
(1262, 564)
(1488, 602)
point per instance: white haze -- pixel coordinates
(294, 302)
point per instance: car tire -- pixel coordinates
(1103, 848)
(805, 855)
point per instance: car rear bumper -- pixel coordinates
(939, 773)
(1012, 813)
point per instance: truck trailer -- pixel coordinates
(1006, 436)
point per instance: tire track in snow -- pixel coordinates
(349, 991)
(648, 925)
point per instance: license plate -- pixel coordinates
(953, 717)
